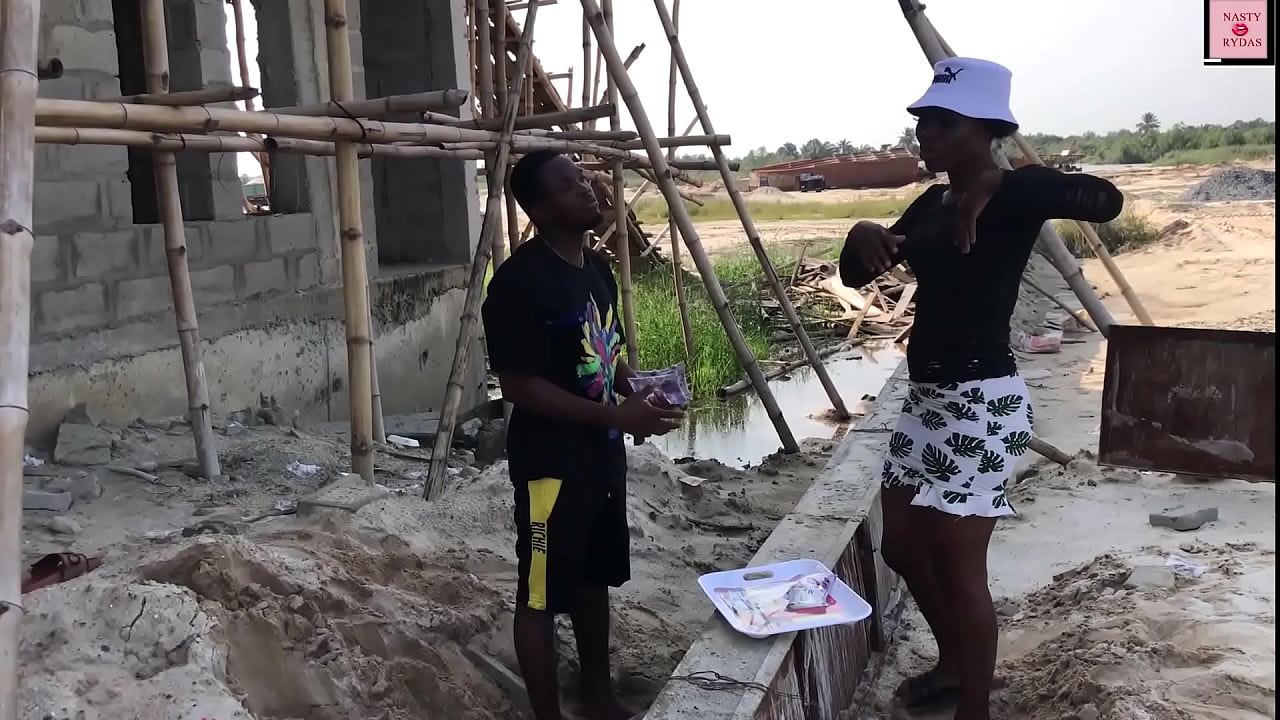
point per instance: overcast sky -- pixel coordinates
(774, 71)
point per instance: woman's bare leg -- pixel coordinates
(960, 566)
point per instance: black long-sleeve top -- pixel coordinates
(964, 301)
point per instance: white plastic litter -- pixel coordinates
(754, 601)
(1184, 567)
(301, 469)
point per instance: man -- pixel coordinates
(556, 343)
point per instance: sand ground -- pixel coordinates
(402, 609)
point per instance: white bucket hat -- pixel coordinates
(977, 89)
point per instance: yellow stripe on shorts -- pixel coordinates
(542, 500)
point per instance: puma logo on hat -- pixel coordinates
(947, 76)
(983, 94)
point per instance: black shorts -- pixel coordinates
(570, 534)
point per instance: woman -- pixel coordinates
(967, 418)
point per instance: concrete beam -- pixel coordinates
(814, 674)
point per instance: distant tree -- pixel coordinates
(788, 151)
(816, 148)
(844, 147)
(1148, 124)
(908, 140)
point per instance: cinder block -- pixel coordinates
(97, 254)
(142, 296)
(62, 203)
(100, 85)
(80, 161)
(215, 64)
(81, 306)
(117, 199)
(267, 276)
(81, 49)
(93, 14)
(211, 22)
(289, 233)
(47, 259)
(64, 88)
(231, 241)
(213, 285)
(151, 249)
(306, 272)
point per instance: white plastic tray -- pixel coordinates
(845, 605)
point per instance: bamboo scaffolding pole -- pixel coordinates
(242, 60)
(677, 267)
(1049, 243)
(666, 183)
(175, 142)
(355, 276)
(381, 107)
(513, 216)
(502, 82)
(620, 217)
(634, 56)
(586, 64)
(484, 72)
(489, 228)
(541, 120)
(568, 93)
(748, 225)
(203, 96)
(19, 33)
(473, 62)
(156, 54)
(640, 165)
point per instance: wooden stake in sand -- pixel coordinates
(489, 229)
(667, 184)
(355, 276)
(19, 33)
(1050, 243)
(620, 230)
(748, 225)
(677, 268)
(156, 53)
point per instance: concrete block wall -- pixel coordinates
(266, 288)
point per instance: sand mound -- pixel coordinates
(1234, 184)
(1086, 646)
(400, 610)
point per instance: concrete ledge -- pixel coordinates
(811, 675)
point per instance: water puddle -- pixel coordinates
(737, 431)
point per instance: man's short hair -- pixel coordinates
(524, 177)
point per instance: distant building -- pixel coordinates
(884, 169)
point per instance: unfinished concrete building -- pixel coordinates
(266, 287)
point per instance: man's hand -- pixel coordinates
(641, 416)
(971, 205)
(873, 246)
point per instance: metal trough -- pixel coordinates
(1190, 400)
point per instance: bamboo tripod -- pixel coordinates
(748, 225)
(1050, 244)
(666, 183)
(677, 270)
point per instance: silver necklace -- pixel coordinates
(560, 255)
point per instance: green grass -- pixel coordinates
(654, 210)
(1128, 232)
(659, 332)
(1216, 155)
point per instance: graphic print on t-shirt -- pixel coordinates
(601, 347)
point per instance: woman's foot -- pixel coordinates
(933, 689)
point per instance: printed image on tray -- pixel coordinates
(670, 384)
(768, 607)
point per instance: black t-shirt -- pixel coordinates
(964, 301)
(548, 318)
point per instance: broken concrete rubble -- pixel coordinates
(82, 444)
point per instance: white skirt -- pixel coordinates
(957, 444)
